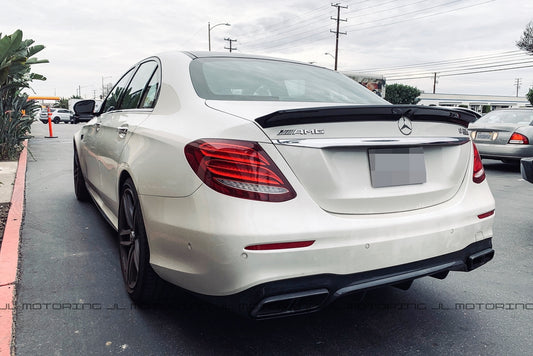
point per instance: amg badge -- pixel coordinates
(301, 132)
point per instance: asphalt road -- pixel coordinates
(71, 300)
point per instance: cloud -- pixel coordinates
(86, 41)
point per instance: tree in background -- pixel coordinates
(63, 103)
(529, 96)
(526, 41)
(16, 75)
(402, 94)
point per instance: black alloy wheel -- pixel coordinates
(82, 194)
(56, 120)
(142, 283)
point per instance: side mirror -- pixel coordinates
(526, 168)
(85, 107)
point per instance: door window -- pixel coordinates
(138, 85)
(113, 99)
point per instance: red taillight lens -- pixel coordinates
(241, 169)
(479, 172)
(519, 139)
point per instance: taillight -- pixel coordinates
(519, 139)
(479, 172)
(240, 169)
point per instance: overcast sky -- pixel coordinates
(88, 42)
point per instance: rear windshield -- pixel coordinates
(272, 80)
(521, 117)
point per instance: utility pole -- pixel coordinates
(337, 33)
(231, 48)
(434, 81)
(517, 83)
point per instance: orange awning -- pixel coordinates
(44, 98)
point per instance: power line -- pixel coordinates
(302, 37)
(463, 73)
(500, 55)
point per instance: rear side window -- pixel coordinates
(150, 94)
(113, 99)
(140, 84)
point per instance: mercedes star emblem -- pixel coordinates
(405, 125)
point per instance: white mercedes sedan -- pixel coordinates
(275, 187)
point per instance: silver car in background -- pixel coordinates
(505, 134)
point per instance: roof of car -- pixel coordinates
(207, 54)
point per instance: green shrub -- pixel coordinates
(16, 75)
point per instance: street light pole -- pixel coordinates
(103, 92)
(209, 28)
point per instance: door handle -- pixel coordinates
(122, 131)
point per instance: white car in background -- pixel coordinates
(57, 115)
(275, 187)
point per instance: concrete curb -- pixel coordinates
(9, 256)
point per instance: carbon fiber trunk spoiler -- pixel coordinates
(366, 113)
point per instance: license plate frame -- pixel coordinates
(400, 166)
(484, 135)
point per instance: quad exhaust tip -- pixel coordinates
(293, 303)
(478, 259)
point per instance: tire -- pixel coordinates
(56, 120)
(142, 283)
(512, 162)
(80, 189)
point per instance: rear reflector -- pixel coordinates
(486, 215)
(240, 169)
(279, 246)
(479, 171)
(519, 139)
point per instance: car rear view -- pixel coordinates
(337, 198)
(274, 187)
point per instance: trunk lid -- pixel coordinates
(373, 159)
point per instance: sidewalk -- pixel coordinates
(7, 179)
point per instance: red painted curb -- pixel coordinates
(9, 254)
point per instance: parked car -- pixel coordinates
(505, 134)
(75, 118)
(526, 169)
(58, 115)
(274, 187)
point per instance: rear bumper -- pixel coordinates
(508, 151)
(312, 293)
(199, 242)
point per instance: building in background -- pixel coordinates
(479, 103)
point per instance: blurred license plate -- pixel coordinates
(391, 167)
(483, 135)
